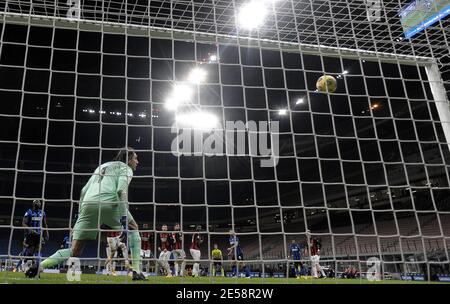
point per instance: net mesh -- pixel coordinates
(364, 169)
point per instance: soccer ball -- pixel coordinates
(326, 83)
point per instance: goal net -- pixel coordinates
(363, 170)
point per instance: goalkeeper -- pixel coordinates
(103, 201)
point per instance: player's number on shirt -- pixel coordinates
(74, 269)
(102, 174)
(374, 271)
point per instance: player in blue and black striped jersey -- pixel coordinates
(235, 252)
(33, 220)
(295, 252)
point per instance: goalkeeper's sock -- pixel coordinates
(135, 246)
(222, 271)
(58, 257)
(213, 272)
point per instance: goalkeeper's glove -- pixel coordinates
(123, 236)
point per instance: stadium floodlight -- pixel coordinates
(345, 72)
(181, 94)
(197, 120)
(300, 101)
(252, 15)
(282, 112)
(197, 75)
(213, 58)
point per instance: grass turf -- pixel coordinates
(50, 278)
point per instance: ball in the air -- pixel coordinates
(326, 83)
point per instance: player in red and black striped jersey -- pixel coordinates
(114, 244)
(165, 243)
(177, 237)
(146, 241)
(178, 251)
(197, 239)
(314, 247)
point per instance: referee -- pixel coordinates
(217, 257)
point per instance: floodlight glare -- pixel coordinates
(197, 120)
(300, 101)
(282, 112)
(252, 15)
(213, 58)
(197, 75)
(180, 94)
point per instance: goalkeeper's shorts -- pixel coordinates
(93, 215)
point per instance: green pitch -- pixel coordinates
(48, 278)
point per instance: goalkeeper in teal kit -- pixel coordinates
(103, 201)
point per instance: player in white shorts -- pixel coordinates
(197, 239)
(314, 247)
(178, 252)
(114, 244)
(146, 244)
(165, 246)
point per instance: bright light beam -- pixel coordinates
(252, 15)
(197, 120)
(213, 58)
(300, 101)
(180, 94)
(197, 75)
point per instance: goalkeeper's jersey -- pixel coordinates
(106, 181)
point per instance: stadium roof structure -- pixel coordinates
(328, 27)
(338, 24)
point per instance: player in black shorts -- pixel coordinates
(33, 220)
